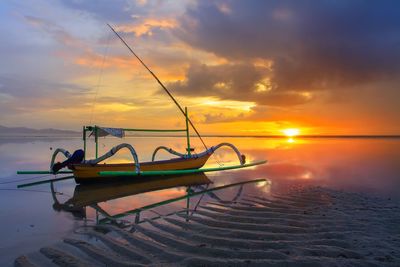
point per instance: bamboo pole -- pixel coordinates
(161, 84)
(96, 139)
(84, 142)
(155, 130)
(42, 172)
(187, 133)
(45, 181)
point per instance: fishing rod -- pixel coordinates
(162, 85)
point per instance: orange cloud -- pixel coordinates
(145, 27)
(94, 60)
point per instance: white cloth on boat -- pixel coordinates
(104, 131)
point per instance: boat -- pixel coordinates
(184, 163)
(94, 170)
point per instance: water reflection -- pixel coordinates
(362, 165)
(78, 212)
(370, 165)
(197, 186)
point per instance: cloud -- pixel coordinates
(126, 11)
(147, 25)
(43, 103)
(22, 86)
(54, 30)
(116, 11)
(241, 82)
(301, 62)
(24, 97)
(314, 45)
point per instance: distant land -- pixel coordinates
(29, 132)
(50, 132)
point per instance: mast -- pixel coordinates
(162, 85)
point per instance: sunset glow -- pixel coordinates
(290, 140)
(291, 132)
(229, 88)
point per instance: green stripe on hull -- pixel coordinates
(177, 172)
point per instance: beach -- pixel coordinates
(311, 226)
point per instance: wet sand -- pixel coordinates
(308, 227)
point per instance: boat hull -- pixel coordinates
(84, 173)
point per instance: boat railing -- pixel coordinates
(241, 157)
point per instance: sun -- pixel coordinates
(291, 132)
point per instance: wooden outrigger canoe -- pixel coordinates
(104, 175)
(93, 170)
(88, 172)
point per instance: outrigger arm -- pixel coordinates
(107, 155)
(211, 150)
(58, 150)
(115, 150)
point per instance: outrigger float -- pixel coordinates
(185, 163)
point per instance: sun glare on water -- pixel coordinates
(291, 132)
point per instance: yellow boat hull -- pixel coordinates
(88, 172)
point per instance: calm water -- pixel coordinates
(30, 220)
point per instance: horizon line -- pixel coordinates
(234, 136)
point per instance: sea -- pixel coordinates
(37, 216)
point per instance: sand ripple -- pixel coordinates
(308, 227)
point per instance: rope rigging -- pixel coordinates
(155, 77)
(100, 78)
(161, 84)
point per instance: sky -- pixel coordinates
(241, 67)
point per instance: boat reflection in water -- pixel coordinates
(90, 195)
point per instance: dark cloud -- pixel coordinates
(314, 45)
(224, 80)
(243, 82)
